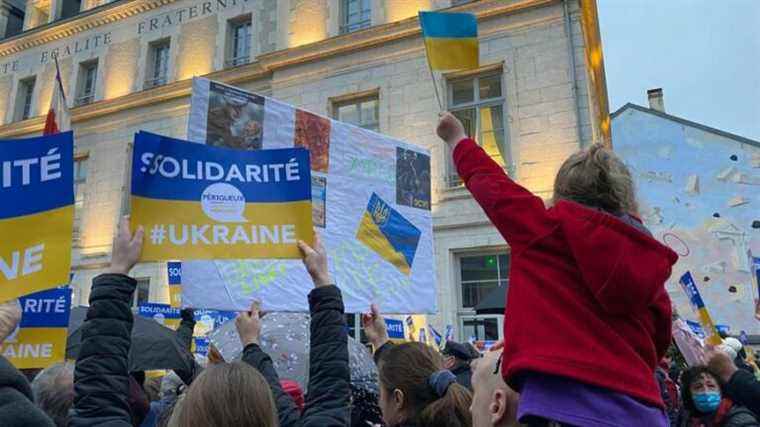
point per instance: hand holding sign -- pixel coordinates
(126, 248)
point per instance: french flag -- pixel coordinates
(58, 119)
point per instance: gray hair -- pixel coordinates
(53, 390)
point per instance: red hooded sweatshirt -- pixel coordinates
(586, 297)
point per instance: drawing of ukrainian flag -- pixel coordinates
(389, 234)
(691, 290)
(36, 213)
(451, 40)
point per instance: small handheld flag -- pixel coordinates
(451, 43)
(437, 337)
(451, 40)
(690, 288)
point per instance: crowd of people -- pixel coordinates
(587, 338)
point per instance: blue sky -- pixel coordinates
(704, 54)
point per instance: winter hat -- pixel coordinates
(735, 344)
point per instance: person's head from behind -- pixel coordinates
(456, 355)
(227, 394)
(494, 403)
(415, 388)
(53, 390)
(597, 178)
(701, 390)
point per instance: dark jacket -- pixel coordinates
(737, 416)
(327, 400)
(17, 408)
(101, 376)
(575, 265)
(464, 375)
(744, 389)
(184, 335)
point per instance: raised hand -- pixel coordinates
(450, 129)
(126, 248)
(375, 327)
(10, 316)
(248, 325)
(315, 260)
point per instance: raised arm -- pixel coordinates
(377, 332)
(185, 336)
(327, 401)
(101, 376)
(519, 215)
(249, 328)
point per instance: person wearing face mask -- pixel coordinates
(705, 405)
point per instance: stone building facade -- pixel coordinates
(127, 65)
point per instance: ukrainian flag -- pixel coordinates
(690, 287)
(451, 40)
(389, 234)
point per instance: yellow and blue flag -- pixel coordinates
(451, 40)
(196, 201)
(36, 213)
(389, 234)
(691, 290)
(40, 339)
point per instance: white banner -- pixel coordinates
(371, 206)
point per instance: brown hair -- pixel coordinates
(228, 394)
(408, 367)
(596, 177)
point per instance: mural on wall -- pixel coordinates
(699, 193)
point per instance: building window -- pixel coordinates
(363, 112)
(480, 275)
(88, 72)
(239, 42)
(15, 21)
(70, 8)
(355, 15)
(80, 178)
(479, 103)
(354, 325)
(481, 328)
(159, 63)
(143, 291)
(24, 98)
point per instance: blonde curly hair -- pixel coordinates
(597, 178)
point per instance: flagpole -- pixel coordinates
(58, 78)
(430, 67)
(432, 76)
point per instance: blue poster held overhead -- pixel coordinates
(40, 338)
(196, 201)
(36, 213)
